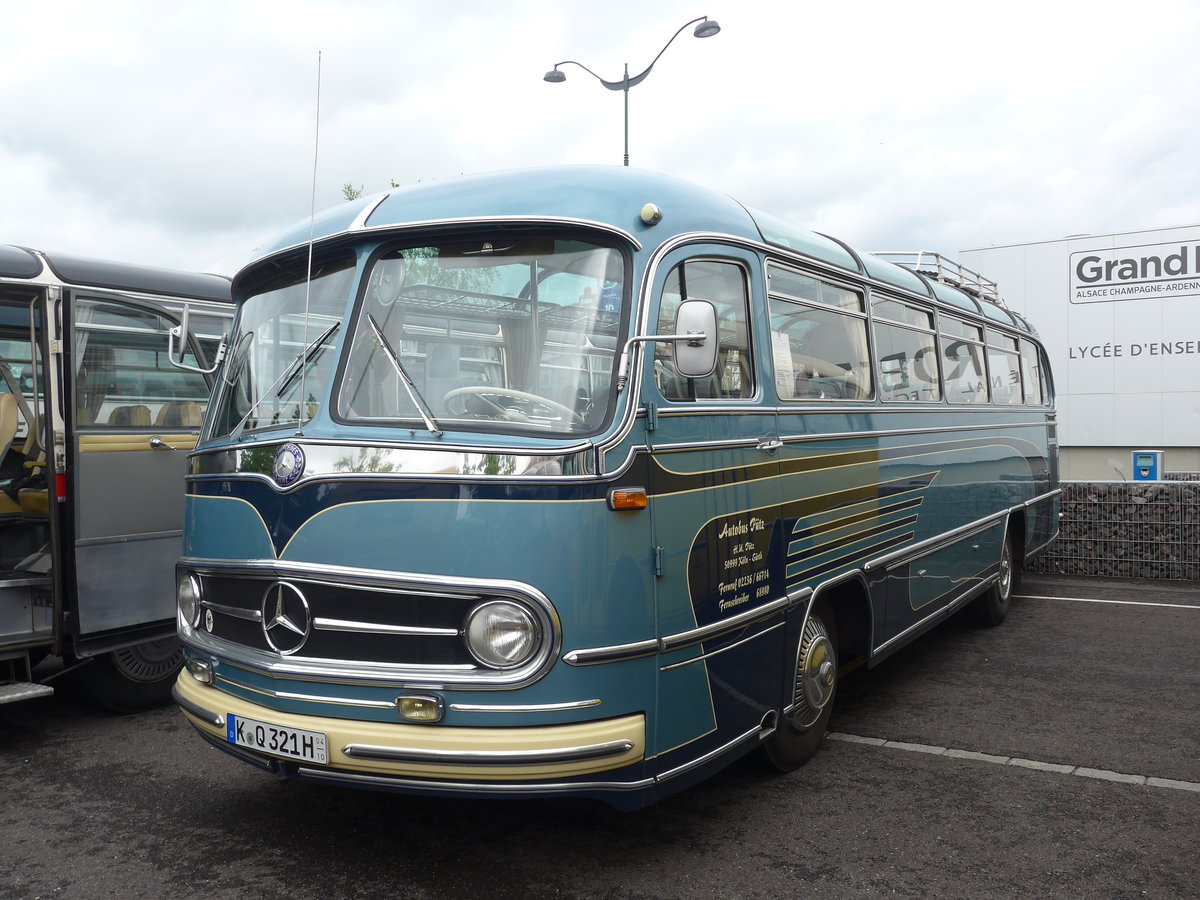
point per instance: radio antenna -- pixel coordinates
(302, 405)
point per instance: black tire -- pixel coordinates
(992, 607)
(133, 678)
(814, 686)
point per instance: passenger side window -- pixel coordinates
(963, 369)
(1004, 368)
(819, 339)
(1033, 375)
(908, 358)
(123, 378)
(724, 285)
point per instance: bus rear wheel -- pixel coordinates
(800, 731)
(134, 678)
(992, 607)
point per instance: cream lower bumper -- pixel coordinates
(436, 751)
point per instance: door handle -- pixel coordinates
(770, 445)
(157, 443)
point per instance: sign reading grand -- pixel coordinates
(1135, 273)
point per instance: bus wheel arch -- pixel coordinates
(993, 605)
(133, 678)
(837, 624)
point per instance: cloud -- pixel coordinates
(184, 135)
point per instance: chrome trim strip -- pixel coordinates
(617, 653)
(935, 543)
(128, 538)
(943, 611)
(548, 756)
(707, 757)
(707, 632)
(621, 652)
(525, 708)
(307, 698)
(207, 716)
(346, 625)
(703, 656)
(1049, 495)
(404, 227)
(385, 781)
(250, 615)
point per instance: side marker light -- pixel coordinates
(627, 498)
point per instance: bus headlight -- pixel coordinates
(188, 593)
(502, 634)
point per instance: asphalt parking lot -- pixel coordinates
(1054, 756)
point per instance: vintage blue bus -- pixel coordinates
(586, 481)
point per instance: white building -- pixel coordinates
(1120, 317)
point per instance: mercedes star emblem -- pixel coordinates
(286, 619)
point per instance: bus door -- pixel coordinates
(132, 417)
(715, 514)
(26, 590)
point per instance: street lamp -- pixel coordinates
(705, 27)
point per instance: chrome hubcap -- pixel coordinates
(816, 673)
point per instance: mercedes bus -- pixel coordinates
(587, 481)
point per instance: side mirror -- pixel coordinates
(696, 358)
(175, 356)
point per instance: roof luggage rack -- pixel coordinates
(940, 268)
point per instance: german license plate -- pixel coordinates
(278, 740)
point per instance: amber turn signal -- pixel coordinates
(627, 498)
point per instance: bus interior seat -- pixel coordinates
(131, 416)
(8, 422)
(34, 501)
(441, 373)
(179, 414)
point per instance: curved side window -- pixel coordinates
(724, 285)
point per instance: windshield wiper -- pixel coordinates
(287, 376)
(413, 393)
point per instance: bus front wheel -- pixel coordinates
(801, 729)
(134, 678)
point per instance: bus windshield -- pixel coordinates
(280, 354)
(501, 336)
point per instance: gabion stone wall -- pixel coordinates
(1127, 529)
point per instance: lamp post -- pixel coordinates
(705, 27)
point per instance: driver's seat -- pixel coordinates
(441, 374)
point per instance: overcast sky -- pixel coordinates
(182, 134)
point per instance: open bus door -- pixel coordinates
(133, 418)
(91, 502)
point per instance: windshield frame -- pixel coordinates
(603, 400)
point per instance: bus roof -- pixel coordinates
(20, 262)
(612, 196)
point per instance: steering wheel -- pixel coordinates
(481, 390)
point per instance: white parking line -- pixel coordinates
(1081, 771)
(1114, 602)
